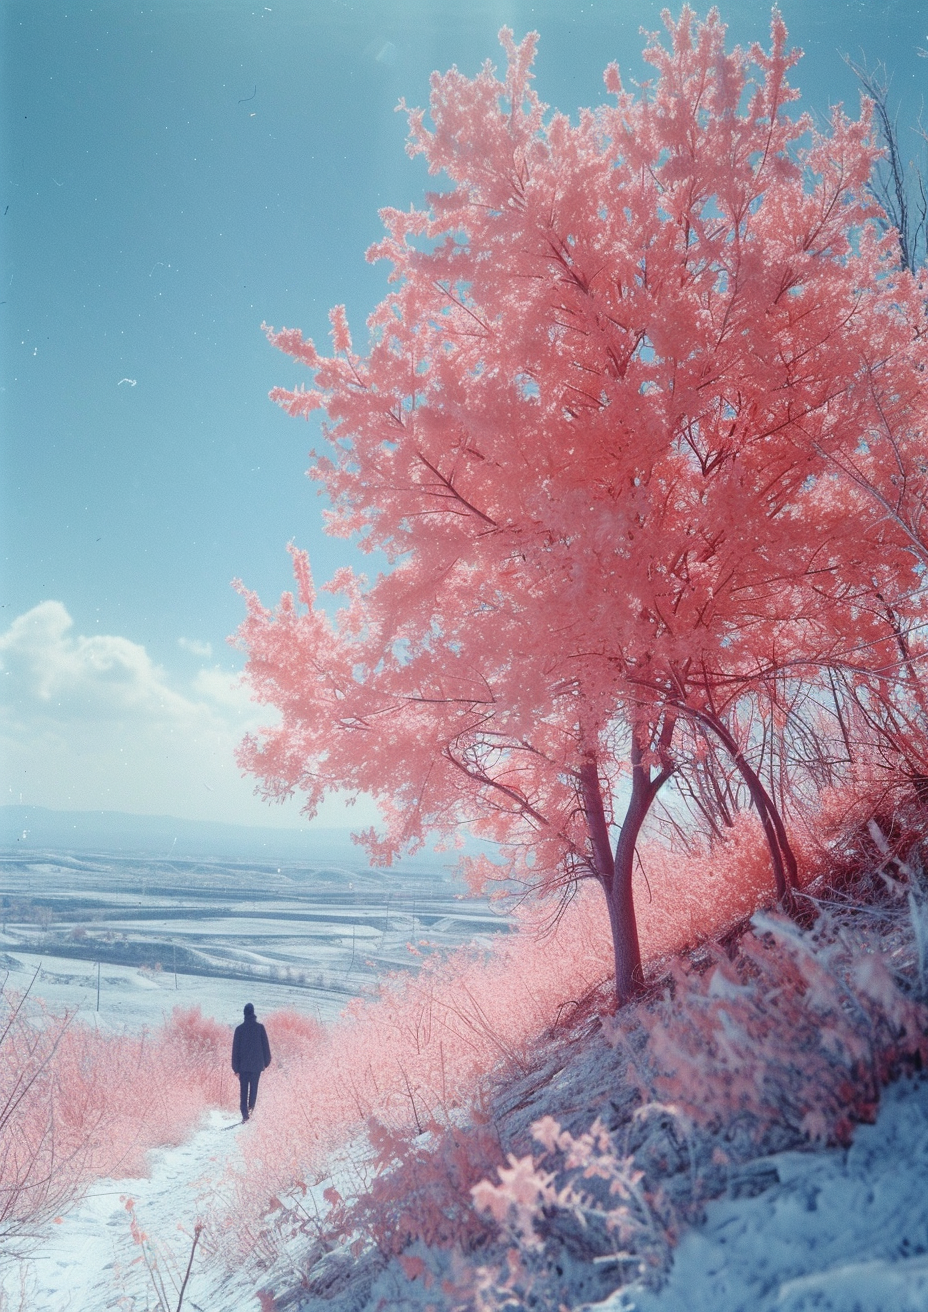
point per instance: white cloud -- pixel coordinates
(196, 648)
(93, 723)
(221, 688)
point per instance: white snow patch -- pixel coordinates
(89, 1261)
(842, 1231)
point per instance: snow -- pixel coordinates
(842, 1231)
(131, 1000)
(298, 937)
(830, 1231)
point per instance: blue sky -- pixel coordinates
(173, 173)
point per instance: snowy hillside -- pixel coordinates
(834, 1231)
(486, 1132)
(620, 1134)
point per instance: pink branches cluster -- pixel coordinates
(603, 431)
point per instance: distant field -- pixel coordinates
(167, 932)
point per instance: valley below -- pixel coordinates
(125, 939)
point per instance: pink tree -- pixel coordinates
(592, 434)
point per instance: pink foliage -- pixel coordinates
(420, 1189)
(421, 1054)
(585, 1178)
(294, 1035)
(204, 1048)
(700, 892)
(77, 1103)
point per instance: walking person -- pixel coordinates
(251, 1054)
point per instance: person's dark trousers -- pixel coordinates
(248, 1081)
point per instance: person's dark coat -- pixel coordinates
(250, 1048)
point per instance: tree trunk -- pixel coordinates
(782, 857)
(615, 872)
(629, 976)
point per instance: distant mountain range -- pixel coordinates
(37, 829)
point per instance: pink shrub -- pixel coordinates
(840, 841)
(77, 1104)
(38, 1167)
(204, 1045)
(582, 1198)
(420, 1190)
(291, 1034)
(698, 896)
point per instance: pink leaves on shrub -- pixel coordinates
(202, 1038)
(582, 1200)
(294, 1035)
(421, 1189)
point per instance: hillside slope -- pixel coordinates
(750, 1075)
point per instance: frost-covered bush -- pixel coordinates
(785, 1044)
(792, 1039)
(576, 1221)
(77, 1104)
(39, 1164)
(419, 1190)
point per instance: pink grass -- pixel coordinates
(77, 1104)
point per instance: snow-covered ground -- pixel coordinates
(133, 999)
(841, 1231)
(164, 933)
(89, 1261)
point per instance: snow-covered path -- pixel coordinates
(840, 1232)
(89, 1262)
